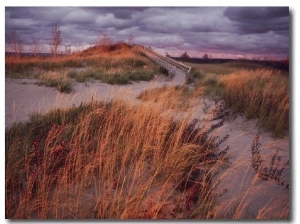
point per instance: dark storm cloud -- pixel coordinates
(125, 13)
(182, 19)
(256, 13)
(120, 13)
(259, 19)
(233, 30)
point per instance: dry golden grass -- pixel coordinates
(179, 97)
(109, 161)
(261, 94)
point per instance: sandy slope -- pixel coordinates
(249, 195)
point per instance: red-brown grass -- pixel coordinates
(109, 161)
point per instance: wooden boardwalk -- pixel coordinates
(174, 68)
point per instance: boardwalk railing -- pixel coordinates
(165, 62)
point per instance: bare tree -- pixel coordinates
(16, 42)
(185, 55)
(56, 39)
(205, 56)
(130, 39)
(35, 46)
(104, 42)
(68, 49)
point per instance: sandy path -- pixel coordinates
(23, 96)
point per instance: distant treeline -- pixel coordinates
(281, 65)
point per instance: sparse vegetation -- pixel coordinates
(56, 79)
(116, 64)
(272, 172)
(257, 92)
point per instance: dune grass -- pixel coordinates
(257, 92)
(261, 94)
(56, 79)
(228, 66)
(109, 161)
(119, 65)
(112, 76)
(177, 97)
(120, 161)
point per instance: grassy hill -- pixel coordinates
(116, 64)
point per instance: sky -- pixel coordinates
(220, 32)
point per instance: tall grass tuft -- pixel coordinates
(177, 97)
(109, 161)
(56, 79)
(260, 94)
